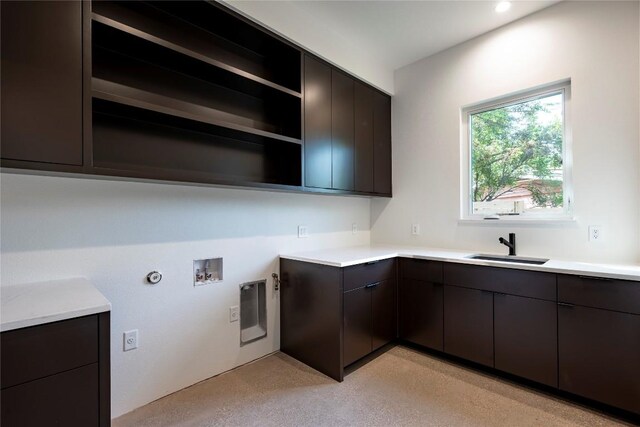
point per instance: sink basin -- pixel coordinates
(509, 258)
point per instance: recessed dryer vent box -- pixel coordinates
(253, 311)
(206, 271)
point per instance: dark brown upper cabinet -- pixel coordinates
(382, 144)
(372, 141)
(347, 132)
(317, 123)
(363, 138)
(41, 82)
(181, 91)
(329, 130)
(342, 131)
(189, 91)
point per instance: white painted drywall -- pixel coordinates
(114, 233)
(296, 22)
(596, 44)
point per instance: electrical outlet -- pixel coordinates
(354, 228)
(130, 339)
(303, 231)
(415, 229)
(595, 233)
(234, 313)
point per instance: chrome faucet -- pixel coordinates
(511, 244)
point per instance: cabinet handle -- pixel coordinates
(372, 285)
(371, 262)
(603, 279)
(564, 304)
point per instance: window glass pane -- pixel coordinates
(516, 157)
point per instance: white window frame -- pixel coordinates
(466, 211)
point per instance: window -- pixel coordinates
(517, 153)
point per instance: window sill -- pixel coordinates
(520, 222)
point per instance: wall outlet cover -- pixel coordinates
(303, 231)
(595, 233)
(415, 229)
(130, 340)
(234, 313)
(354, 228)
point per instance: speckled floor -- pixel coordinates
(400, 388)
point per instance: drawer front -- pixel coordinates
(39, 351)
(361, 275)
(523, 283)
(417, 269)
(69, 399)
(609, 294)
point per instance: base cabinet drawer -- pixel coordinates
(41, 403)
(526, 339)
(599, 355)
(43, 350)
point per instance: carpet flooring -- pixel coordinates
(402, 387)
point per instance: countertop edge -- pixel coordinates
(56, 317)
(592, 270)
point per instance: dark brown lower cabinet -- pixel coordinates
(468, 324)
(57, 374)
(421, 313)
(525, 338)
(599, 355)
(67, 399)
(384, 313)
(357, 324)
(370, 319)
(578, 334)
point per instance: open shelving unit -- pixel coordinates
(192, 92)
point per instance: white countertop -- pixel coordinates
(344, 257)
(44, 302)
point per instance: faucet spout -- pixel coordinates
(511, 244)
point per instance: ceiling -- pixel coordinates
(402, 32)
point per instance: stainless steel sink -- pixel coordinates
(509, 258)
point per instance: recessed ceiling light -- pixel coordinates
(503, 6)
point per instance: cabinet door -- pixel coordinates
(363, 138)
(526, 342)
(317, 123)
(357, 324)
(421, 313)
(599, 355)
(68, 399)
(468, 324)
(382, 144)
(41, 95)
(384, 313)
(342, 131)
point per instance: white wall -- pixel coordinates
(114, 233)
(294, 22)
(593, 43)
